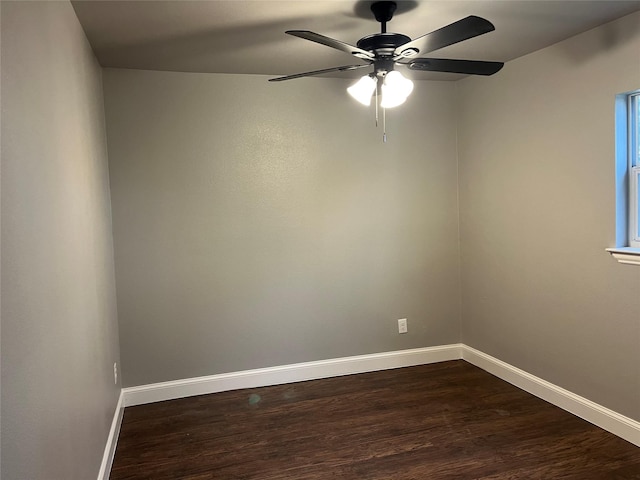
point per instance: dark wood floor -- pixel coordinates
(448, 420)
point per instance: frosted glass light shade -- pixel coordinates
(363, 89)
(391, 98)
(395, 89)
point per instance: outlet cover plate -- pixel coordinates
(402, 325)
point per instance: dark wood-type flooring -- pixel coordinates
(448, 420)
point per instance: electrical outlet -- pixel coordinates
(402, 325)
(115, 373)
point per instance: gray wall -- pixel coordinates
(537, 209)
(59, 326)
(260, 224)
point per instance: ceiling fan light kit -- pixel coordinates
(395, 89)
(363, 89)
(385, 51)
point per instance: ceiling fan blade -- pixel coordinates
(331, 42)
(464, 29)
(469, 67)
(318, 72)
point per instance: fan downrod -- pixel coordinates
(383, 43)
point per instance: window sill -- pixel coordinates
(627, 255)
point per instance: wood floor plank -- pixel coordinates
(448, 420)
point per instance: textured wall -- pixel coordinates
(537, 210)
(260, 224)
(59, 326)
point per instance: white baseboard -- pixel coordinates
(112, 440)
(592, 412)
(298, 372)
(605, 418)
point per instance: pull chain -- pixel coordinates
(376, 107)
(384, 125)
(384, 118)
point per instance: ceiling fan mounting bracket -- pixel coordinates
(383, 11)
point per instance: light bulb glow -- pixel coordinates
(391, 98)
(395, 89)
(363, 89)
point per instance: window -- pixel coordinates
(635, 198)
(633, 109)
(627, 140)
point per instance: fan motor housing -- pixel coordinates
(382, 44)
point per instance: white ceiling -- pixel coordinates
(247, 36)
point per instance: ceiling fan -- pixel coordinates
(385, 50)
